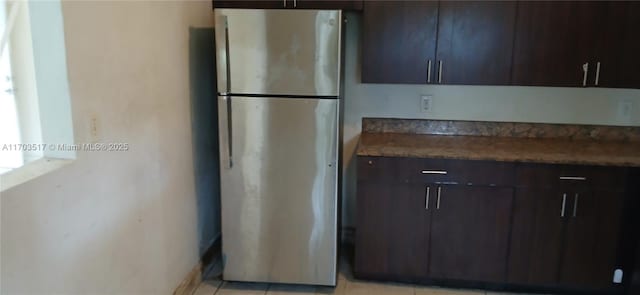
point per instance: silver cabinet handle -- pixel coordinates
(575, 205)
(440, 72)
(438, 201)
(582, 178)
(284, 3)
(585, 69)
(597, 73)
(564, 203)
(429, 71)
(295, 3)
(426, 199)
(441, 172)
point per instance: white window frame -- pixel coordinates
(10, 156)
(51, 95)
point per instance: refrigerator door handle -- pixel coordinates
(226, 52)
(222, 54)
(224, 107)
(229, 132)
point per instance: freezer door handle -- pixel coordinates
(222, 53)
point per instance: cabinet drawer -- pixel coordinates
(571, 176)
(436, 171)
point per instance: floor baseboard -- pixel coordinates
(193, 279)
(190, 282)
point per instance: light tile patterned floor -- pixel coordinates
(346, 285)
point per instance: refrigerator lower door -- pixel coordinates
(279, 189)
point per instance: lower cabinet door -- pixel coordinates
(579, 252)
(565, 239)
(470, 233)
(537, 236)
(392, 236)
(592, 236)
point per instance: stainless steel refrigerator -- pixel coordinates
(279, 106)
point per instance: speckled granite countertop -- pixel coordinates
(513, 142)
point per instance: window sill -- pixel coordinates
(31, 171)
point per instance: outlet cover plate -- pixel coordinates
(426, 103)
(625, 108)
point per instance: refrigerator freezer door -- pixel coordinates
(278, 52)
(279, 192)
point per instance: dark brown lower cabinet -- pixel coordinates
(556, 228)
(536, 242)
(470, 233)
(635, 276)
(416, 231)
(565, 239)
(592, 239)
(394, 240)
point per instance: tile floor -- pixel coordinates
(346, 285)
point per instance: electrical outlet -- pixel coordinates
(625, 108)
(426, 103)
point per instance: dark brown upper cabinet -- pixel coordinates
(617, 62)
(399, 41)
(475, 41)
(554, 43)
(262, 4)
(526, 43)
(290, 4)
(335, 4)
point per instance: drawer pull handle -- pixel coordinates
(441, 172)
(573, 178)
(426, 199)
(564, 203)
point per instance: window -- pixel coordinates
(9, 129)
(35, 104)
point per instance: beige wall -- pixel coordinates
(482, 103)
(114, 223)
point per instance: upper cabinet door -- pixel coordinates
(475, 42)
(292, 4)
(619, 46)
(554, 43)
(264, 4)
(399, 41)
(327, 4)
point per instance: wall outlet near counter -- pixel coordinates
(625, 108)
(426, 103)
